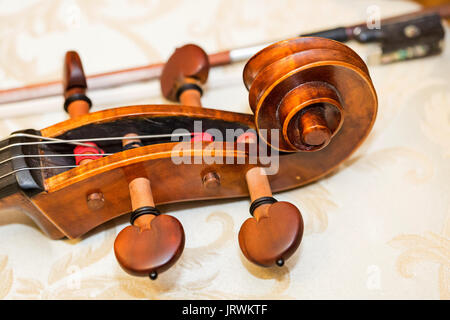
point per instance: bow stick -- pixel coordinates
(153, 71)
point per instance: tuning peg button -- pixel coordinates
(150, 246)
(74, 81)
(275, 231)
(184, 74)
(273, 237)
(153, 242)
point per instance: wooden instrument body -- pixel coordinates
(62, 208)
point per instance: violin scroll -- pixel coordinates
(299, 86)
(316, 92)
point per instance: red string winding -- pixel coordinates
(87, 150)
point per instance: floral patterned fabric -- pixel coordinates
(378, 228)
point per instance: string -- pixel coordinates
(54, 155)
(79, 141)
(49, 140)
(35, 168)
(34, 136)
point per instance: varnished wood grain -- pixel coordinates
(308, 65)
(19, 201)
(64, 201)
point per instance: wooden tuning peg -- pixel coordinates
(184, 74)
(74, 81)
(275, 231)
(77, 104)
(182, 78)
(153, 242)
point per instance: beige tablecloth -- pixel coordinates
(378, 228)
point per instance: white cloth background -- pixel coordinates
(378, 228)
